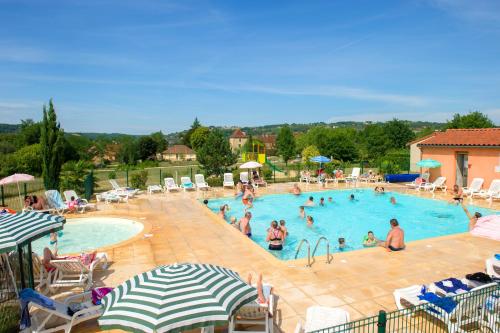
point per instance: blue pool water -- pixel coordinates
(90, 233)
(419, 217)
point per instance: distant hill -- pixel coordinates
(175, 137)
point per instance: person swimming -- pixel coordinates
(330, 199)
(322, 201)
(284, 229)
(393, 200)
(309, 202)
(222, 211)
(302, 212)
(342, 243)
(309, 220)
(247, 198)
(275, 237)
(352, 198)
(370, 240)
(296, 189)
(245, 224)
(235, 223)
(472, 218)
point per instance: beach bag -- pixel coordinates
(479, 277)
(99, 293)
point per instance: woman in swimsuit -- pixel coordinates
(275, 237)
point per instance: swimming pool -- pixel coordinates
(89, 233)
(419, 217)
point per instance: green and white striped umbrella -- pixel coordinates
(176, 298)
(21, 227)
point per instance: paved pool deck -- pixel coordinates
(362, 282)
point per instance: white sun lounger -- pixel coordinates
(244, 177)
(43, 315)
(354, 176)
(55, 202)
(322, 318)
(187, 184)
(170, 185)
(492, 192)
(201, 184)
(112, 196)
(84, 204)
(439, 183)
(493, 267)
(475, 187)
(256, 314)
(121, 190)
(154, 189)
(408, 297)
(228, 180)
(73, 273)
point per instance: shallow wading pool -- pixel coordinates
(89, 233)
(419, 217)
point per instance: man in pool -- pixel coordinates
(245, 224)
(309, 202)
(322, 201)
(309, 220)
(472, 218)
(395, 238)
(351, 197)
(393, 200)
(330, 199)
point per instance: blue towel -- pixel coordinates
(188, 185)
(445, 303)
(29, 295)
(457, 284)
(497, 256)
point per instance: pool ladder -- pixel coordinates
(309, 256)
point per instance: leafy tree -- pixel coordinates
(398, 132)
(129, 152)
(139, 179)
(424, 131)
(77, 147)
(307, 153)
(73, 175)
(186, 138)
(342, 145)
(215, 155)
(52, 141)
(285, 143)
(29, 133)
(29, 159)
(147, 148)
(161, 142)
(248, 146)
(375, 141)
(199, 136)
(474, 119)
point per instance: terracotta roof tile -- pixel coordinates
(178, 149)
(238, 134)
(267, 138)
(488, 137)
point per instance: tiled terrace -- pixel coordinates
(362, 282)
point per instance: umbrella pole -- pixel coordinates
(19, 191)
(6, 259)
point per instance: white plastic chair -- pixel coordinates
(407, 297)
(122, 190)
(73, 273)
(154, 189)
(437, 184)
(475, 186)
(55, 202)
(43, 315)
(228, 180)
(323, 318)
(84, 204)
(493, 267)
(244, 177)
(201, 184)
(354, 176)
(256, 314)
(493, 190)
(187, 184)
(170, 185)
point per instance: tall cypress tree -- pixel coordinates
(52, 141)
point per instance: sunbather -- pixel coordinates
(85, 258)
(261, 291)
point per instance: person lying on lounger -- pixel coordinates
(262, 291)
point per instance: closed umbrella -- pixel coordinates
(17, 178)
(176, 298)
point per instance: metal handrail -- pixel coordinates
(308, 251)
(328, 258)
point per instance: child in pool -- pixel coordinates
(310, 221)
(322, 201)
(342, 243)
(302, 212)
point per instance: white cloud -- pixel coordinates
(328, 91)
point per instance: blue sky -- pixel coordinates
(141, 66)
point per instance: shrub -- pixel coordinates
(214, 181)
(267, 173)
(112, 175)
(139, 179)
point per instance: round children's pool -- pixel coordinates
(89, 233)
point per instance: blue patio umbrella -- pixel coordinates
(320, 159)
(429, 163)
